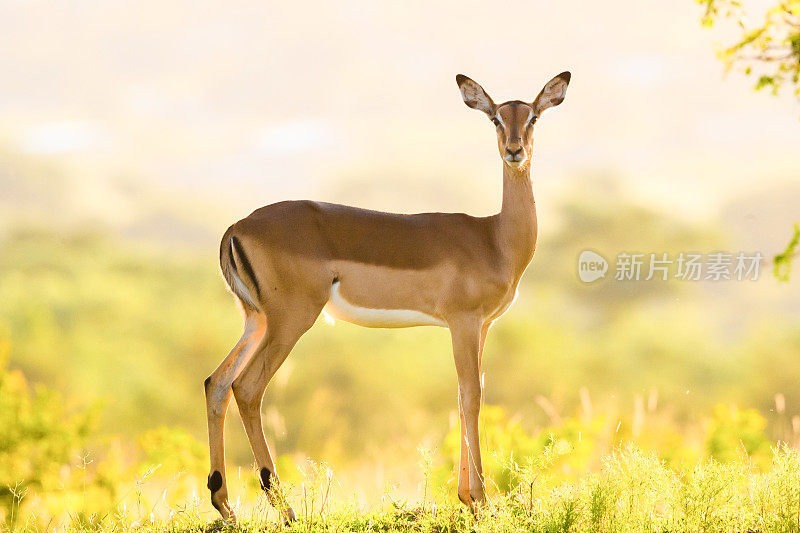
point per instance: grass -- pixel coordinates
(632, 491)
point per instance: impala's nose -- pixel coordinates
(513, 155)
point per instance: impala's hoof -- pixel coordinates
(220, 524)
(467, 500)
(224, 509)
(289, 517)
(473, 503)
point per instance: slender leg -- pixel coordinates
(218, 396)
(463, 469)
(283, 332)
(466, 336)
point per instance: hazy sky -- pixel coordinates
(249, 102)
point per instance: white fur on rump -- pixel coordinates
(240, 290)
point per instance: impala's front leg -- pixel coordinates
(466, 335)
(463, 467)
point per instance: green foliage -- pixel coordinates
(783, 261)
(633, 491)
(121, 326)
(734, 432)
(54, 468)
(778, 493)
(770, 51)
(41, 434)
(538, 482)
(710, 496)
(173, 450)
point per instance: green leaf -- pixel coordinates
(764, 81)
(783, 261)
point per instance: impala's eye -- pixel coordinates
(532, 121)
(496, 121)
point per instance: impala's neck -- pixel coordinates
(517, 227)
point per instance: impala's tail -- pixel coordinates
(238, 271)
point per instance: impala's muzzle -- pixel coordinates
(514, 155)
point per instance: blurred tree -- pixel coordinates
(598, 215)
(40, 436)
(733, 431)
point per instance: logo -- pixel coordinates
(591, 266)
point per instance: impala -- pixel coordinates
(289, 261)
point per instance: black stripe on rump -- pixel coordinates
(248, 268)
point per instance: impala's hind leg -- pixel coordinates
(218, 396)
(284, 328)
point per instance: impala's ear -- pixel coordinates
(474, 95)
(552, 94)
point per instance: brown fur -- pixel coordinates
(459, 269)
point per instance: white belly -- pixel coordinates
(338, 307)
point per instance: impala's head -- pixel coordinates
(514, 119)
